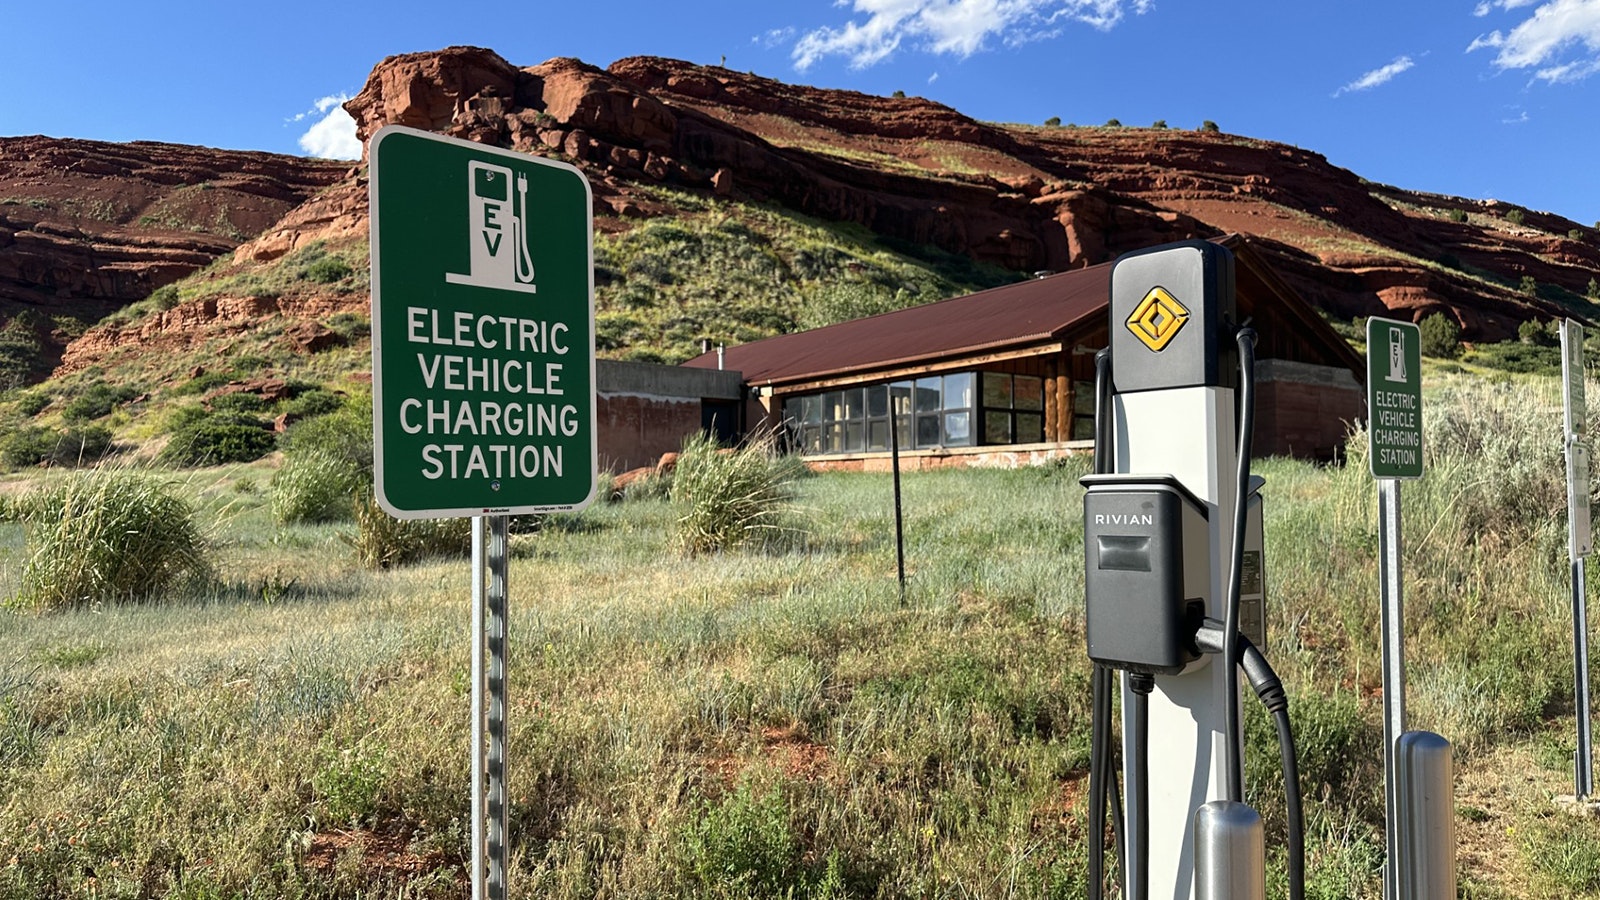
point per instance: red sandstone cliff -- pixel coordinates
(1024, 197)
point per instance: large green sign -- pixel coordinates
(482, 329)
(1394, 398)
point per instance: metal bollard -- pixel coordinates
(1425, 787)
(1230, 857)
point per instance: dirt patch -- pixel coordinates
(383, 852)
(796, 754)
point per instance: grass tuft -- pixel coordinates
(105, 536)
(728, 498)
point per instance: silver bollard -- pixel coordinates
(1425, 787)
(1230, 856)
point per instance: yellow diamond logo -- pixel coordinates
(1158, 319)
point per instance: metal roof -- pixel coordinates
(1014, 316)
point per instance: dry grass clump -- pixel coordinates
(107, 535)
(732, 497)
(383, 542)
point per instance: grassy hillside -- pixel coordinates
(773, 721)
(714, 273)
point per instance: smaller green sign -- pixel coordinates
(1394, 398)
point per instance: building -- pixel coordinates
(1007, 375)
(643, 410)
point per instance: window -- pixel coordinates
(1013, 408)
(1083, 411)
(933, 411)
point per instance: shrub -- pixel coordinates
(328, 269)
(850, 300)
(1209, 127)
(1159, 123)
(1113, 123)
(32, 403)
(1532, 332)
(349, 325)
(238, 402)
(96, 401)
(312, 403)
(745, 845)
(1575, 234)
(215, 439)
(1441, 336)
(1529, 286)
(899, 95)
(37, 445)
(1516, 216)
(20, 351)
(164, 297)
(327, 468)
(1053, 122)
(317, 486)
(731, 497)
(1594, 289)
(382, 542)
(345, 432)
(1457, 215)
(109, 535)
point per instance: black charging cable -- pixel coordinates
(1246, 339)
(1140, 684)
(1212, 638)
(1102, 756)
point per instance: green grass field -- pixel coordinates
(774, 721)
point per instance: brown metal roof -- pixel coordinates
(1014, 315)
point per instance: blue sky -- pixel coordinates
(1477, 98)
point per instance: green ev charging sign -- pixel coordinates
(1394, 398)
(482, 329)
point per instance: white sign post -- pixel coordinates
(1580, 541)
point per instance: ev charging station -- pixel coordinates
(1167, 544)
(1174, 574)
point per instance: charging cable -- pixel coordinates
(1212, 638)
(1246, 339)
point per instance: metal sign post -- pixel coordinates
(482, 383)
(1580, 542)
(1417, 766)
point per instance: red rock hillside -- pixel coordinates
(87, 227)
(1025, 197)
(101, 224)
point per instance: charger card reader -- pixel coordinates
(1146, 582)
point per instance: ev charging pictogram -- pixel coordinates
(497, 230)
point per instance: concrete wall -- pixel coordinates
(1304, 410)
(644, 410)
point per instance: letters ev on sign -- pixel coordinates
(482, 329)
(1394, 398)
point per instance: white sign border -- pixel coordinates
(376, 292)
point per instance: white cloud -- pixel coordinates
(1379, 76)
(1560, 41)
(932, 78)
(334, 135)
(957, 27)
(773, 38)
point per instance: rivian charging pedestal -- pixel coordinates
(1159, 541)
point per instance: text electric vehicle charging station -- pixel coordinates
(1167, 545)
